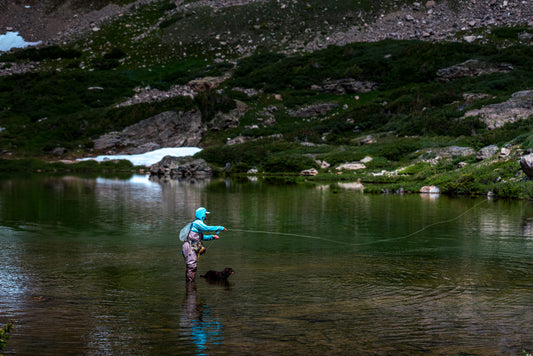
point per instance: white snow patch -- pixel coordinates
(14, 40)
(149, 158)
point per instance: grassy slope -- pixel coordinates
(55, 108)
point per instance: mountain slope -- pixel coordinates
(276, 84)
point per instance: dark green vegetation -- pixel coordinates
(4, 334)
(72, 99)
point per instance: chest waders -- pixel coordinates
(195, 240)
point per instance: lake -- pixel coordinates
(93, 266)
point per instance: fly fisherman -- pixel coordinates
(192, 247)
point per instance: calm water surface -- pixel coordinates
(92, 266)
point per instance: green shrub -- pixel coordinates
(49, 52)
(509, 32)
(288, 163)
(4, 334)
(253, 153)
(115, 53)
(210, 102)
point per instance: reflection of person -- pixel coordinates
(205, 328)
(192, 247)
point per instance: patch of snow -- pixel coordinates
(14, 40)
(149, 158)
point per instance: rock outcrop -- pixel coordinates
(223, 121)
(471, 68)
(518, 107)
(313, 110)
(167, 129)
(487, 152)
(449, 151)
(345, 86)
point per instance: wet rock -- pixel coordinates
(181, 167)
(430, 189)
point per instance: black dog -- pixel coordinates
(218, 276)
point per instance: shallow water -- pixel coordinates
(92, 266)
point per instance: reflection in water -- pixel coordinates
(205, 328)
(92, 266)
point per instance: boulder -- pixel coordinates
(487, 152)
(206, 83)
(181, 167)
(237, 140)
(59, 151)
(323, 164)
(526, 163)
(368, 140)
(352, 166)
(309, 172)
(429, 189)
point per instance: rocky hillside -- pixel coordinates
(319, 24)
(276, 86)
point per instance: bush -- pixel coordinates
(210, 102)
(509, 32)
(50, 52)
(253, 153)
(289, 164)
(4, 334)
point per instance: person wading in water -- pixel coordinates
(192, 247)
